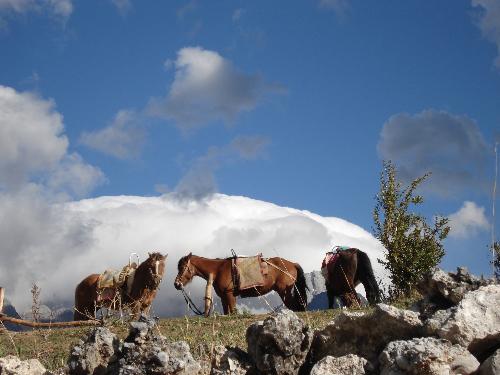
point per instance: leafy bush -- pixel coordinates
(413, 247)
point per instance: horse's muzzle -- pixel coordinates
(177, 285)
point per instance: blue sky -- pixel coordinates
(293, 103)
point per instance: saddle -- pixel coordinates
(248, 272)
(331, 258)
(111, 281)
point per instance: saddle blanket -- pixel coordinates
(250, 271)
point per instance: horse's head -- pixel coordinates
(186, 271)
(155, 265)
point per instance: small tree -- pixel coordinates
(412, 246)
(496, 259)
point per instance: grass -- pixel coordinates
(52, 346)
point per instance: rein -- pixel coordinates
(192, 306)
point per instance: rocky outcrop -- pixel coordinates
(93, 355)
(279, 344)
(12, 365)
(474, 323)
(144, 351)
(348, 364)
(430, 356)
(364, 333)
(442, 290)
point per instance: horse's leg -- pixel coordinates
(231, 302)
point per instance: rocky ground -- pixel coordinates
(454, 329)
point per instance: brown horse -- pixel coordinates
(284, 277)
(147, 278)
(351, 267)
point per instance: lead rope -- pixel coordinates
(353, 291)
(193, 306)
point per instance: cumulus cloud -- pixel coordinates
(31, 136)
(468, 221)
(64, 243)
(123, 138)
(123, 6)
(450, 146)
(58, 8)
(34, 149)
(199, 181)
(488, 21)
(207, 88)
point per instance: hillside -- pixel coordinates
(52, 346)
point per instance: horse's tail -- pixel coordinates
(367, 277)
(301, 288)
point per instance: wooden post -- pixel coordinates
(1, 299)
(208, 296)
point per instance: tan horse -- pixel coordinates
(147, 278)
(284, 277)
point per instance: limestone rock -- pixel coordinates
(348, 364)
(364, 334)
(12, 365)
(231, 361)
(428, 356)
(93, 355)
(279, 344)
(474, 323)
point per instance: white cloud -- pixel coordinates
(450, 146)
(489, 22)
(61, 244)
(59, 8)
(34, 149)
(123, 138)
(123, 6)
(468, 221)
(31, 136)
(207, 88)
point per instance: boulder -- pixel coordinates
(444, 290)
(144, 351)
(364, 333)
(426, 355)
(491, 366)
(12, 365)
(474, 323)
(348, 364)
(231, 361)
(279, 344)
(93, 355)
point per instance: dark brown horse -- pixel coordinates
(283, 276)
(147, 277)
(343, 274)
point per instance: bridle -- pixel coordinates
(156, 277)
(186, 296)
(181, 274)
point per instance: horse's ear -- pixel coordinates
(149, 254)
(190, 254)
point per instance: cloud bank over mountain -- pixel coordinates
(66, 242)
